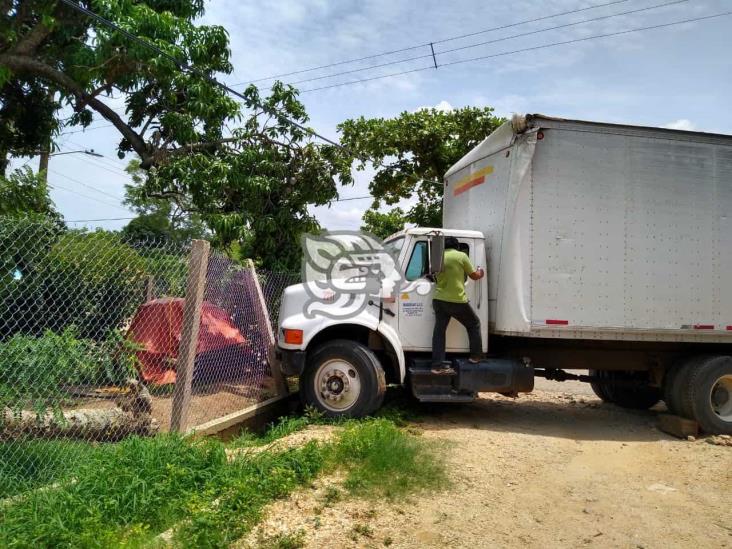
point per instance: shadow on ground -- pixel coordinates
(542, 413)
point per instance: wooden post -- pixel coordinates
(280, 381)
(150, 287)
(197, 267)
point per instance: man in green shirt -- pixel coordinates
(450, 301)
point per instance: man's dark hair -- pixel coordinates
(451, 243)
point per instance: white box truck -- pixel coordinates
(608, 249)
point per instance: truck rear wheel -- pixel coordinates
(343, 378)
(627, 390)
(600, 387)
(710, 394)
(676, 386)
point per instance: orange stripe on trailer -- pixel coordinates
(469, 185)
(704, 326)
(472, 180)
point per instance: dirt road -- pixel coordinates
(553, 469)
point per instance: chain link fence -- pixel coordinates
(90, 333)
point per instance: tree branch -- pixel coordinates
(32, 40)
(28, 65)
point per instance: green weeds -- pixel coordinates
(125, 494)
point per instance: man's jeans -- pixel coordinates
(464, 314)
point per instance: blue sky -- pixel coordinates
(678, 76)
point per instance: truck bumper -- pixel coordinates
(292, 363)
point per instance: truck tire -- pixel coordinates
(710, 395)
(639, 395)
(598, 387)
(676, 391)
(343, 378)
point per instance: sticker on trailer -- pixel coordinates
(472, 180)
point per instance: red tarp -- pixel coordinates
(156, 327)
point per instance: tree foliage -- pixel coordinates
(383, 224)
(412, 152)
(24, 193)
(51, 56)
(158, 219)
(242, 170)
(253, 192)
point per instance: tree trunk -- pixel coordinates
(89, 424)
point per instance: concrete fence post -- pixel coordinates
(279, 380)
(196, 283)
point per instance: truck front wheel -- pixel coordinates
(343, 378)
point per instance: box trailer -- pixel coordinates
(608, 248)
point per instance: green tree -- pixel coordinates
(24, 193)
(412, 152)
(383, 224)
(51, 56)
(157, 218)
(253, 192)
(251, 185)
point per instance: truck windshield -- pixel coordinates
(394, 246)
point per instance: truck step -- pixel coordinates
(446, 398)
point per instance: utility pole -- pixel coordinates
(45, 155)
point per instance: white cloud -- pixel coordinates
(442, 106)
(681, 124)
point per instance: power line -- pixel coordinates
(533, 48)
(128, 218)
(84, 184)
(450, 39)
(351, 198)
(89, 129)
(102, 219)
(57, 186)
(502, 39)
(185, 67)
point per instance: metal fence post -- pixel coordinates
(280, 382)
(195, 285)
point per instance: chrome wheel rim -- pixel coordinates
(337, 385)
(720, 398)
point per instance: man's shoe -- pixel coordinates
(444, 369)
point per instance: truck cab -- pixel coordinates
(346, 356)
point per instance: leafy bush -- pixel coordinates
(169, 271)
(92, 281)
(24, 243)
(33, 370)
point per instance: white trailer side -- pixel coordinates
(601, 231)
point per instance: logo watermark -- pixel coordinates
(346, 271)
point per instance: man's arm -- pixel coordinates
(472, 272)
(477, 274)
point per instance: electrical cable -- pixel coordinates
(57, 186)
(83, 184)
(533, 48)
(502, 39)
(102, 219)
(186, 68)
(450, 39)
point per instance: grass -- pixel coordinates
(384, 461)
(27, 465)
(127, 493)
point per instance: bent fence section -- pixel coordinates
(102, 338)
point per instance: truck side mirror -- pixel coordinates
(436, 252)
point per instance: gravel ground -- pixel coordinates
(556, 468)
